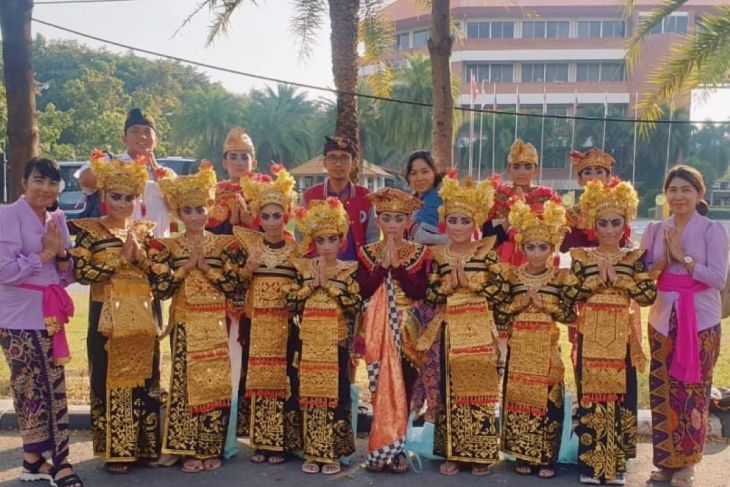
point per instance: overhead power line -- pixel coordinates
(58, 2)
(356, 94)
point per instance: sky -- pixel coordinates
(258, 42)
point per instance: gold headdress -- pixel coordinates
(522, 153)
(592, 158)
(549, 225)
(394, 201)
(127, 176)
(599, 199)
(326, 217)
(260, 192)
(238, 139)
(193, 190)
(467, 198)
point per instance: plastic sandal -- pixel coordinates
(32, 471)
(331, 469)
(70, 480)
(310, 467)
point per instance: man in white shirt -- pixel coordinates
(140, 140)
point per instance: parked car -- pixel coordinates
(71, 200)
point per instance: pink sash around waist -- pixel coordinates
(58, 308)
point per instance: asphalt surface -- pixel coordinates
(713, 472)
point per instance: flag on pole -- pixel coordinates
(605, 116)
(636, 117)
(494, 127)
(542, 130)
(517, 109)
(474, 93)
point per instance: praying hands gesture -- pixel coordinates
(458, 275)
(390, 255)
(52, 243)
(606, 270)
(131, 250)
(673, 244)
(320, 273)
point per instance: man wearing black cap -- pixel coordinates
(140, 140)
(337, 158)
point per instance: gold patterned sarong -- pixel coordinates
(604, 327)
(127, 320)
(266, 374)
(472, 351)
(319, 369)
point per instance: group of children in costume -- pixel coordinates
(266, 329)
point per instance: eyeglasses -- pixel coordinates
(338, 158)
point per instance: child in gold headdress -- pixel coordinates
(122, 336)
(197, 270)
(230, 208)
(533, 392)
(393, 275)
(522, 167)
(269, 409)
(609, 348)
(465, 281)
(326, 300)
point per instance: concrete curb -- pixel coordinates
(78, 417)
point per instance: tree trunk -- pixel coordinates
(344, 23)
(15, 18)
(439, 48)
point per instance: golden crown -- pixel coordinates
(548, 225)
(466, 198)
(599, 199)
(193, 190)
(522, 153)
(127, 176)
(326, 217)
(593, 158)
(394, 201)
(238, 139)
(259, 192)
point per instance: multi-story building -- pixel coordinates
(557, 54)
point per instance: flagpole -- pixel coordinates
(605, 116)
(517, 109)
(542, 131)
(471, 125)
(494, 126)
(669, 136)
(481, 124)
(572, 136)
(636, 117)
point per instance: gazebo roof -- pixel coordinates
(314, 167)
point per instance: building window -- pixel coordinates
(402, 41)
(588, 72)
(540, 72)
(612, 71)
(494, 73)
(545, 29)
(420, 38)
(490, 30)
(601, 28)
(677, 23)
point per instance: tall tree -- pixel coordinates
(439, 48)
(15, 18)
(702, 60)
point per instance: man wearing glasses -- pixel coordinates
(337, 158)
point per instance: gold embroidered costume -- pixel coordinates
(609, 350)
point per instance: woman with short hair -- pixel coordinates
(689, 254)
(34, 268)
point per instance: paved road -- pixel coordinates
(713, 472)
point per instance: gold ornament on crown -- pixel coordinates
(127, 176)
(599, 199)
(280, 191)
(522, 152)
(322, 218)
(593, 158)
(467, 197)
(548, 225)
(391, 200)
(238, 139)
(193, 190)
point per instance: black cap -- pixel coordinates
(136, 117)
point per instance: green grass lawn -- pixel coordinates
(77, 381)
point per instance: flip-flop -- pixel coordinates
(684, 477)
(523, 469)
(192, 465)
(331, 468)
(399, 465)
(661, 475)
(546, 473)
(449, 468)
(310, 467)
(276, 459)
(259, 457)
(210, 464)
(480, 470)
(116, 468)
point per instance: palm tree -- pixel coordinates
(279, 122)
(703, 60)
(439, 48)
(344, 20)
(15, 17)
